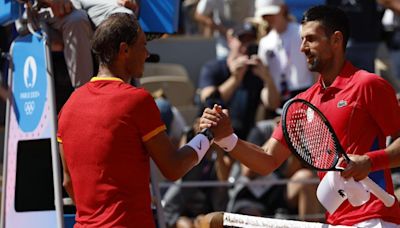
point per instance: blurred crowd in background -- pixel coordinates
(257, 67)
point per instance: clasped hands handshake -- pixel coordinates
(218, 121)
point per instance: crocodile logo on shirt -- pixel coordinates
(341, 104)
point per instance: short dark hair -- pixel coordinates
(332, 18)
(117, 28)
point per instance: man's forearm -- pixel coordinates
(228, 88)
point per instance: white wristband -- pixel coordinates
(227, 143)
(200, 144)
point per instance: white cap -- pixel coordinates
(330, 191)
(268, 7)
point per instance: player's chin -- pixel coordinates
(313, 65)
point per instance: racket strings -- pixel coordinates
(311, 138)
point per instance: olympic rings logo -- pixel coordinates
(29, 107)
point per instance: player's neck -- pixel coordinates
(105, 71)
(330, 74)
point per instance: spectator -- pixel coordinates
(237, 81)
(280, 50)
(189, 24)
(99, 10)
(391, 23)
(76, 32)
(366, 30)
(71, 20)
(170, 115)
(220, 15)
(6, 34)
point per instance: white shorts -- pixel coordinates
(376, 223)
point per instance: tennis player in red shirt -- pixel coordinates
(361, 107)
(108, 130)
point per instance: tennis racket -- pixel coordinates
(311, 137)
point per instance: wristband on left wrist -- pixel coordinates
(379, 160)
(200, 144)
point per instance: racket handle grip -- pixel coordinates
(381, 194)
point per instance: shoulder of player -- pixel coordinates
(78, 92)
(364, 78)
(135, 92)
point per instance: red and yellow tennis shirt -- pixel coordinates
(102, 128)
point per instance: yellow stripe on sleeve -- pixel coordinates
(59, 139)
(153, 133)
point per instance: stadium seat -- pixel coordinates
(177, 89)
(154, 69)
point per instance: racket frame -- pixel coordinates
(340, 150)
